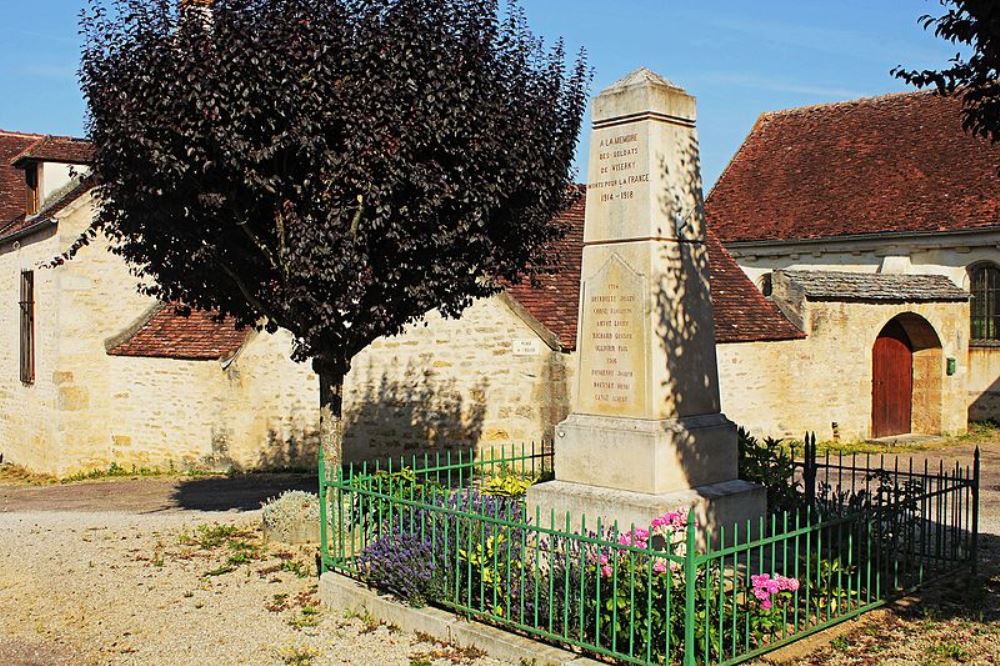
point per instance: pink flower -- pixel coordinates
(766, 604)
(660, 566)
(606, 571)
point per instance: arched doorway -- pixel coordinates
(907, 367)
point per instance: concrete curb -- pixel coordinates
(341, 593)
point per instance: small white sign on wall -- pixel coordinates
(525, 347)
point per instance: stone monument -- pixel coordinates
(647, 434)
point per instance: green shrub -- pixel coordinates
(771, 465)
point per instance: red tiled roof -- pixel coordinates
(58, 149)
(898, 163)
(21, 222)
(555, 300)
(12, 194)
(168, 334)
(742, 313)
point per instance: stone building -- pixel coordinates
(885, 189)
(863, 225)
(92, 373)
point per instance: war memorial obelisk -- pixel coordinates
(646, 434)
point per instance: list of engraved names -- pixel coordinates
(613, 339)
(621, 167)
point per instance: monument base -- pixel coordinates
(717, 505)
(646, 455)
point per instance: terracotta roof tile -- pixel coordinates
(12, 196)
(58, 149)
(169, 334)
(897, 163)
(554, 301)
(69, 195)
(742, 313)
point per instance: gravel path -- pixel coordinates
(131, 587)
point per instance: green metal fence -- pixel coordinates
(863, 534)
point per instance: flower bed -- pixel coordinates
(458, 535)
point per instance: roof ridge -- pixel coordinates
(27, 135)
(43, 135)
(857, 101)
(756, 124)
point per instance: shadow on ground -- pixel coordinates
(237, 493)
(243, 492)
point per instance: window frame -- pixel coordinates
(27, 327)
(32, 189)
(984, 303)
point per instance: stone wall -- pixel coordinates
(984, 383)
(485, 379)
(28, 411)
(940, 254)
(86, 409)
(784, 389)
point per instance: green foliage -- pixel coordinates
(507, 484)
(771, 465)
(390, 487)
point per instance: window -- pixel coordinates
(27, 327)
(984, 283)
(765, 284)
(32, 190)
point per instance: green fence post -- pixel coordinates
(975, 513)
(321, 466)
(690, 581)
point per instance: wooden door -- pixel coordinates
(892, 382)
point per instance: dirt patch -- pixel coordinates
(174, 588)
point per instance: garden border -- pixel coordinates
(341, 593)
(910, 527)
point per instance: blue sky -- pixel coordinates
(739, 58)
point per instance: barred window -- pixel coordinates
(27, 304)
(984, 283)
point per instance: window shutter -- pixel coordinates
(27, 327)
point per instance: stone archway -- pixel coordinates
(907, 377)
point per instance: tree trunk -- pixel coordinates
(331, 417)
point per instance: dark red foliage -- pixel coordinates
(334, 167)
(976, 77)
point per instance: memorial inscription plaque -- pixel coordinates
(613, 339)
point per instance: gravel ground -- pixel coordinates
(130, 588)
(956, 621)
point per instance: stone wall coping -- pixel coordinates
(340, 593)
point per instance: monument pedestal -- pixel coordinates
(651, 456)
(646, 435)
(722, 504)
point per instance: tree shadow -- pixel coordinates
(238, 492)
(410, 413)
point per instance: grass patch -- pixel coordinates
(370, 622)
(979, 433)
(950, 650)
(15, 475)
(219, 571)
(298, 656)
(209, 536)
(308, 617)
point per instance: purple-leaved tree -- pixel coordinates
(336, 168)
